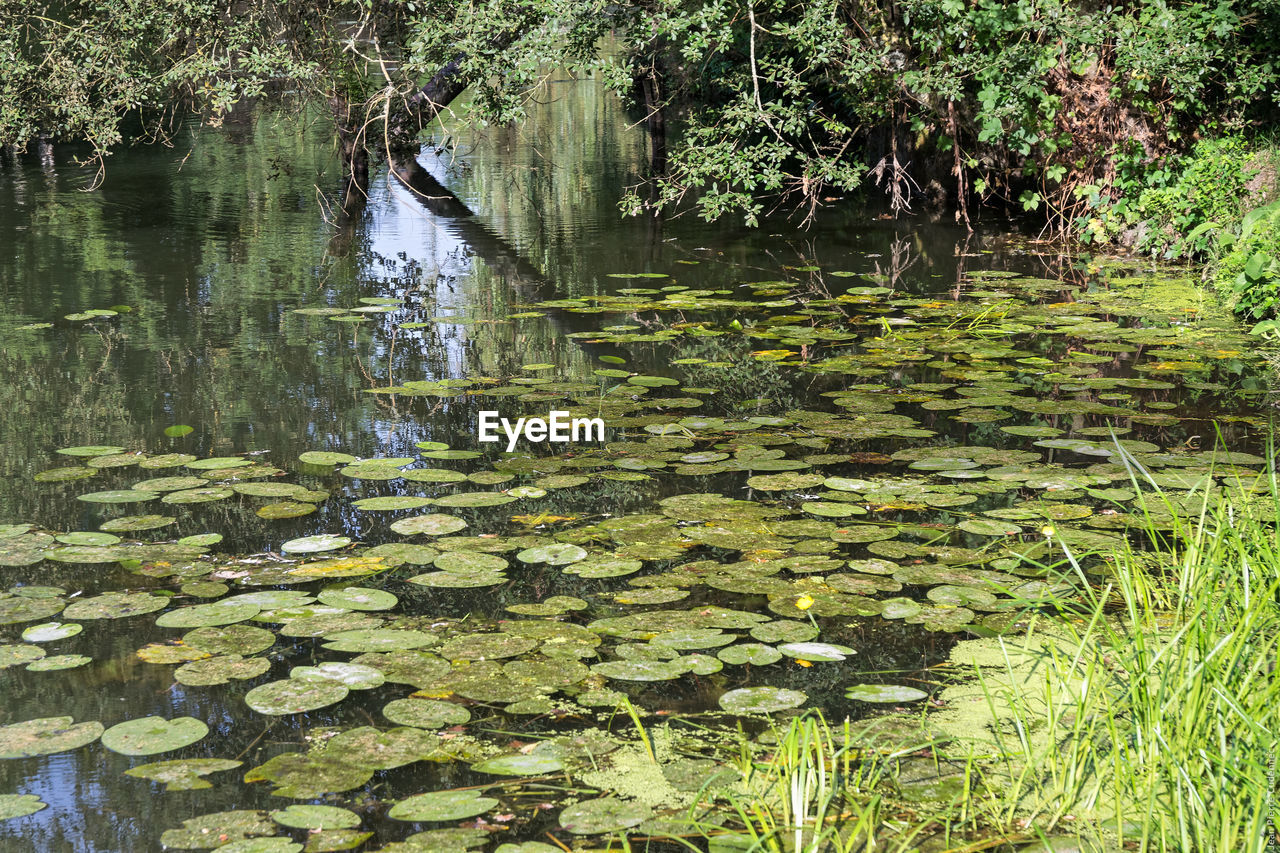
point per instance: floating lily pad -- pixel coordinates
(284, 509)
(218, 829)
(115, 605)
(316, 818)
(358, 598)
(118, 496)
(642, 670)
(434, 524)
(91, 450)
(395, 502)
(292, 696)
(14, 609)
(198, 496)
(58, 662)
(486, 646)
(136, 523)
(17, 654)
(815, 651)
(167, 460)
(217, 463)
(425, 713)
(442, 805)
(220, 669)
(604, 815)
(207, 615)
(182, 774)
(378, 640)
(884, 693)
(757, 654)
(315, 544)
(555, 553)
(64, 475)
(324, 457)
(354, 675)
(19, 805)
(520, 764)
(48, 632)
(46, 736)
(761, 700)
(149, 735)
(474, 499)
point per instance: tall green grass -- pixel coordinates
(1165, 703)
(1149, 720)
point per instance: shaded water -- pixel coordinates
(215, 244)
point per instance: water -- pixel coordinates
(213, 245)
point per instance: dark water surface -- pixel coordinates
(214, 243)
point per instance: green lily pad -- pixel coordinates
(198, 496)
(324, 457)
(273, 844)
(167, 460)
(815, 651)
(115, 605)
(486, 646)
(48, 632)
(984, 527)
(602, 816)
(291, 696)
(149, 735)
(442, 805)
(136, 523)
(395, 502)
(757, 654)
(54, 663)
(474, 499)
(434, 524)
(17, 654)
(46, 736)
(354, 675)
(425, 713)
(358, 598)
(315, 544)
(642, 670)
(14, 609)
(761, 700)
(306, 776)
(206, 615)
(118, 496)
(555, 553)
(218, 829)
(885, 693)
(284, 509)
(19, 805)
(520, 764)
(316, 818)
(64, 475)
(87, 538)
(182, 774)
(218, 463)
(90, 450)
(231, 639)
(378, 640)
(220, 669)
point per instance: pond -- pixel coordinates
(244, 490)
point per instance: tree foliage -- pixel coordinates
(1036, 102)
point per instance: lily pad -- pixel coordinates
(217, 829)
(182, 774)
(378, 640)
(315, 544)
(136, 523)
(48, 632)
(118, 496)
(474, 499)
(54, 663)
(316, 818)
(115, 605)
(434, 524)
(292, 696)
(425, 713)
(19, 805)
(604, 815)
(358, 598)
(46, 736)
(394, 502)
(555, 553)
(761, 700)
(884, 693)
(354, 675)
(520, 764)
(206, 615)
(442, 805)
(323, 457)
(17, 654)
(220, 669)
(149, 735)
